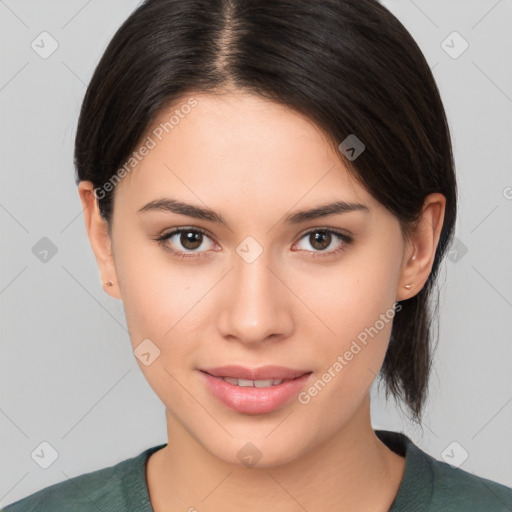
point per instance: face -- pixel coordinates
(264, 287)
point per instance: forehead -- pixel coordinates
(217, 146)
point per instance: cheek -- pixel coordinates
(357, 306)
(161, 308)
(157, 293)
(355, 296)
(164, 305)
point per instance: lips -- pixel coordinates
(254, 390)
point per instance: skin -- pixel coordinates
(285, 308)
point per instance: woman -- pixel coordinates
(268, 186)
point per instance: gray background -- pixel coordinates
(68, 376)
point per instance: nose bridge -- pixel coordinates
(255, 308)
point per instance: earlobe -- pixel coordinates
(420, 251)
(99, 238)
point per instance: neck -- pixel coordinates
(352, 470)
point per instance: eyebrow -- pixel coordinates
(296, 217)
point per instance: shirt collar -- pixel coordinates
(416, 487)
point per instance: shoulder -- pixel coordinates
(97, 490)
(457, 490)
(431, 485)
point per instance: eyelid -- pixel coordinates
(337, 231)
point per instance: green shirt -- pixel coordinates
(428, 485)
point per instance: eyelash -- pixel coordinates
(183, 255)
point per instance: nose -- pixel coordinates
(256, 305)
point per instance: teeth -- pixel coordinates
(245, 383)
(264, 383)
(253, 383)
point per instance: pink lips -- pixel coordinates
(253, 400)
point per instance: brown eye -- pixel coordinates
(324, 242)
(191, 239)
(320, 240)
(186, 242)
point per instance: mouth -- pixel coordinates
(254, 390)
(247, 383)
(260, 374)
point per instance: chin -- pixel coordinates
(257, 451)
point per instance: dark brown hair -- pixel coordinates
(349, 65)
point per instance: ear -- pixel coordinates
(101, 243)
(420, 248)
